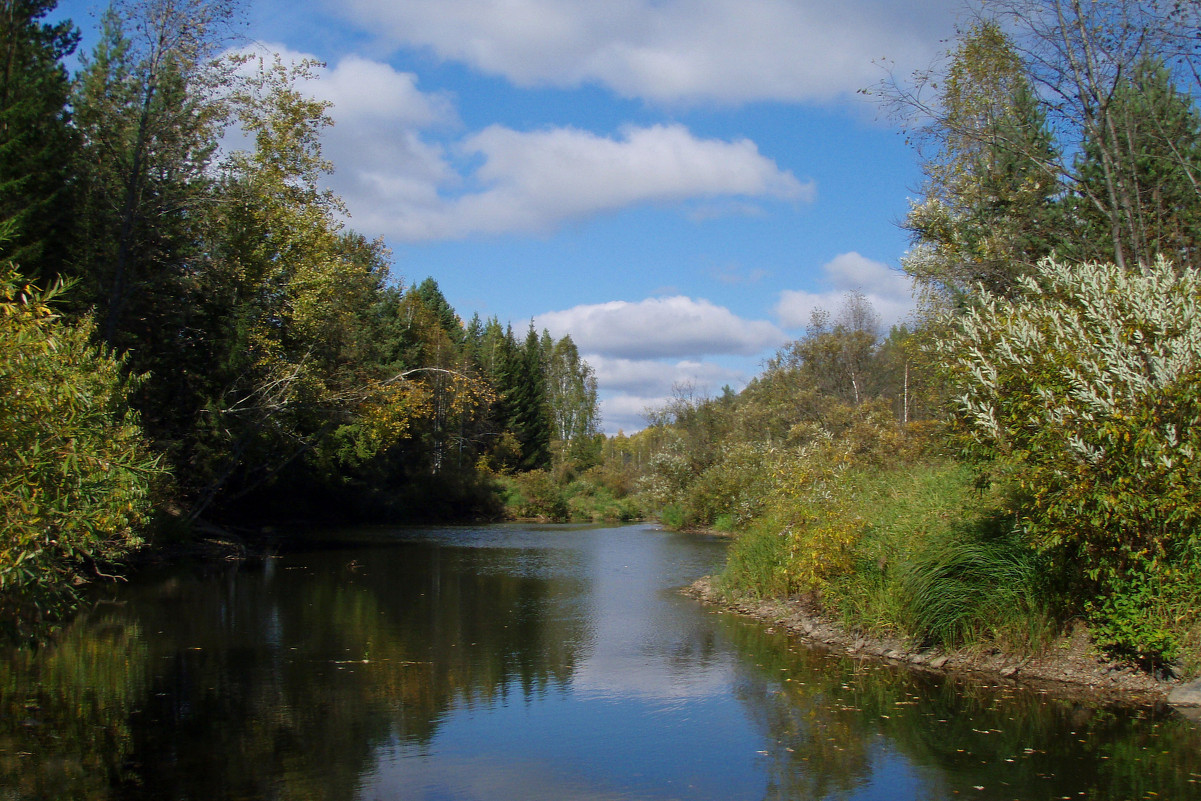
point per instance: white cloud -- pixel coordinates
(533, 181)
(673, 50)
(641, 352)
(889, 291)
(654, 379)
(399, 181)
(630, 388)
(661, 327)
(375, 142)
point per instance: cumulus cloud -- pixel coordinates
(889, 291)
(673, 50)
(660, 328)
(631, 387)
(627, 413)
(533, 181)
(400, 181)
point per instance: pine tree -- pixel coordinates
(431, 295)
(533, 412)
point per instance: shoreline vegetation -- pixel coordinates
(1070, 666)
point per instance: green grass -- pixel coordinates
(933, 559)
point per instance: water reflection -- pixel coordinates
(521, 663)
(845, 728)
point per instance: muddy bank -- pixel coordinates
(1069, 667)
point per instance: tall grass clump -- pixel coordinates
(978, 585)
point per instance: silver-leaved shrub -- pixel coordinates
(1085, 391)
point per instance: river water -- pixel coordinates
(519, 662)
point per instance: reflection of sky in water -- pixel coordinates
(524, 663)
(647, 640)
(652, 709)
(568, 747)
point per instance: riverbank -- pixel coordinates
(1069, 666)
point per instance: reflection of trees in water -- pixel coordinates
(64, 712)
(834, 722)
(279, 684)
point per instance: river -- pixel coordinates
(522, 662)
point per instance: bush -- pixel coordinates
(1086, 394)
(535, 494)
(75, 471)
(733, 489)
(672, 517)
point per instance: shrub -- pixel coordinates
(733, 489)
(1086, 392)
(672, 516)
(75, 471)
(535, 494)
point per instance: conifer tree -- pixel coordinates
(36, 141)
(532, 413)
(1158, 165)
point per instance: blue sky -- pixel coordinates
(674, 183)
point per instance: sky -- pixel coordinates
(676, 184)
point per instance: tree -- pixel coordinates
(286, 302)
(835, 361)
(1061, 127)
(36, 141)
(149, 112)
(431, 295)
(530, 414)
(1157, 156)
(572, 399)
(992, 177)
(1080, 54)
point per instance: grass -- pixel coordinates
(918, 552)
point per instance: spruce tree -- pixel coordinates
(1156, 165)
(36, 140)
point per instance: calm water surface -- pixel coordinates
(517, 662)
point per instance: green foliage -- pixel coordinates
(1087, 396)
(979, 583)
(75, 472)
(37, 143)
(818, 512)
(672, 516)
(538, 494)
(1152, 615)
(733, 488)
(916, 552)
(535, 494)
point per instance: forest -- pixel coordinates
(195, 340)
(193, 335)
